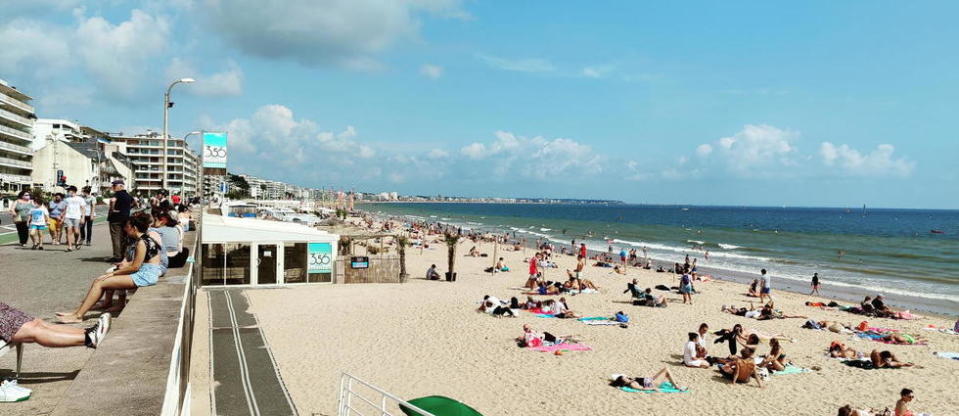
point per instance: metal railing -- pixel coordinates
(16, 163)
(177, 399)
(20, 134)
(16, 103)
(15, 147)
(15, 117)
(381, 405)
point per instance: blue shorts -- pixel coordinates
(686, 289)
(765, 291)
(147, 275)
(38, 227)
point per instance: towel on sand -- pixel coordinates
(950, 355)
(666, 387)
(604, 323)
(562, 347)
(791, 369)
(545, 315)
(594, 318)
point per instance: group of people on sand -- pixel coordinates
(558, 308)
(741, 368)
(767, 312)
(906, 396)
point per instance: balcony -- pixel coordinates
(7, 177)
(4, 98)
(16, 118)
(17, 134)
(4, 161)
(15, 148)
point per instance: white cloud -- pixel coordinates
(474, 150)
(879, 162)
(755, 150)
(431, 71)
(226, 83)
(35, 47)
(347, 33)
(704, 150)
(537, 158)
(598, 71)
(437, 154)
(519, 65)
(116, 55)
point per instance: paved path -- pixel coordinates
(41, 283)
(244, 375)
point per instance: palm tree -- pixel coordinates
(451, 239)
(402, 241)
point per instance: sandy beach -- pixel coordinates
(425, 338)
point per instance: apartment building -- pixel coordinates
(146, 154)
(16, 124)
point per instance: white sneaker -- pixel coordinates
(104, 326)
(11, 392)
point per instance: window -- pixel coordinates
(294, 262)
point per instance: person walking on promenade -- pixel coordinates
(766, 288)
(56, 216)
(73, 216)
(86, 231)
(118, 214)
(20, 211)
(39, 217)
(815, 284)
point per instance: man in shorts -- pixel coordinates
(56, 213)
(766, 289)
(73, 217)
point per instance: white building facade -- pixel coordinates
(16, 124)
(146, 154)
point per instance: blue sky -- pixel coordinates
(734, 103)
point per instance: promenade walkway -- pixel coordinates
(127, 374)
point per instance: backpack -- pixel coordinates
(621, 317)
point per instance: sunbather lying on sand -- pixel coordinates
(886, 359)
(849, 411)
(768, 312)
(646, 383)
(532, 338)
(839, 350)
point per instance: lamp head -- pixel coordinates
(187, 80)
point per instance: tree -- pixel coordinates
(451, 240)
(402, 241)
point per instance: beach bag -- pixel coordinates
(662, 287)
(863, 325)
(684, 280)
(621, 317)
(811, 324)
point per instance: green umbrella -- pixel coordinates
(439, 406)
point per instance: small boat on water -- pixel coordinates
(937, 231)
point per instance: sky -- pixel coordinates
(819, 103)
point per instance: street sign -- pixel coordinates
(214, 150)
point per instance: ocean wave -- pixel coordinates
(696, 242)
(545, 229)
(725, 246)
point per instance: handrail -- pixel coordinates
(15, 117)
(345, 407)
(15, 147)
(16, 133)
(16, 103)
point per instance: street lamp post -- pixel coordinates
(166, 118)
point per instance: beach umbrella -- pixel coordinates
(439, 406)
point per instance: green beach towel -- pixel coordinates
(666, 387)
(594, 318)
(439, 406)
(791, 369)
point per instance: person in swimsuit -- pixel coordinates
(653, 383)
(847, 410)
(839, 350)
(886, 359)
(776, 360)
(902, 405)
(145, 269)
(815, 284)
(741, 369)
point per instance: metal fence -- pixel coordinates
(358, 397)
(176, 402)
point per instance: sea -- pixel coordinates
(909, 255)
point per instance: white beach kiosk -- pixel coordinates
(249, 251)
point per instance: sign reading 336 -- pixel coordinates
(214, 150)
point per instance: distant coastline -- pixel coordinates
(516, 201)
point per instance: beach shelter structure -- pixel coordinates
(250, 251)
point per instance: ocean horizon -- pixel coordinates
(880, 250)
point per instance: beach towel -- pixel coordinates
(666, 387)
(545, 315)
(593, 318)
(562, 347)
(537, 310)
(946, 331)
(791, 369)
(865, 365)
(948, 355)
(604, 323)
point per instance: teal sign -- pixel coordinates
(214, 150)
(320, 258)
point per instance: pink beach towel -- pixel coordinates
(563, 347)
